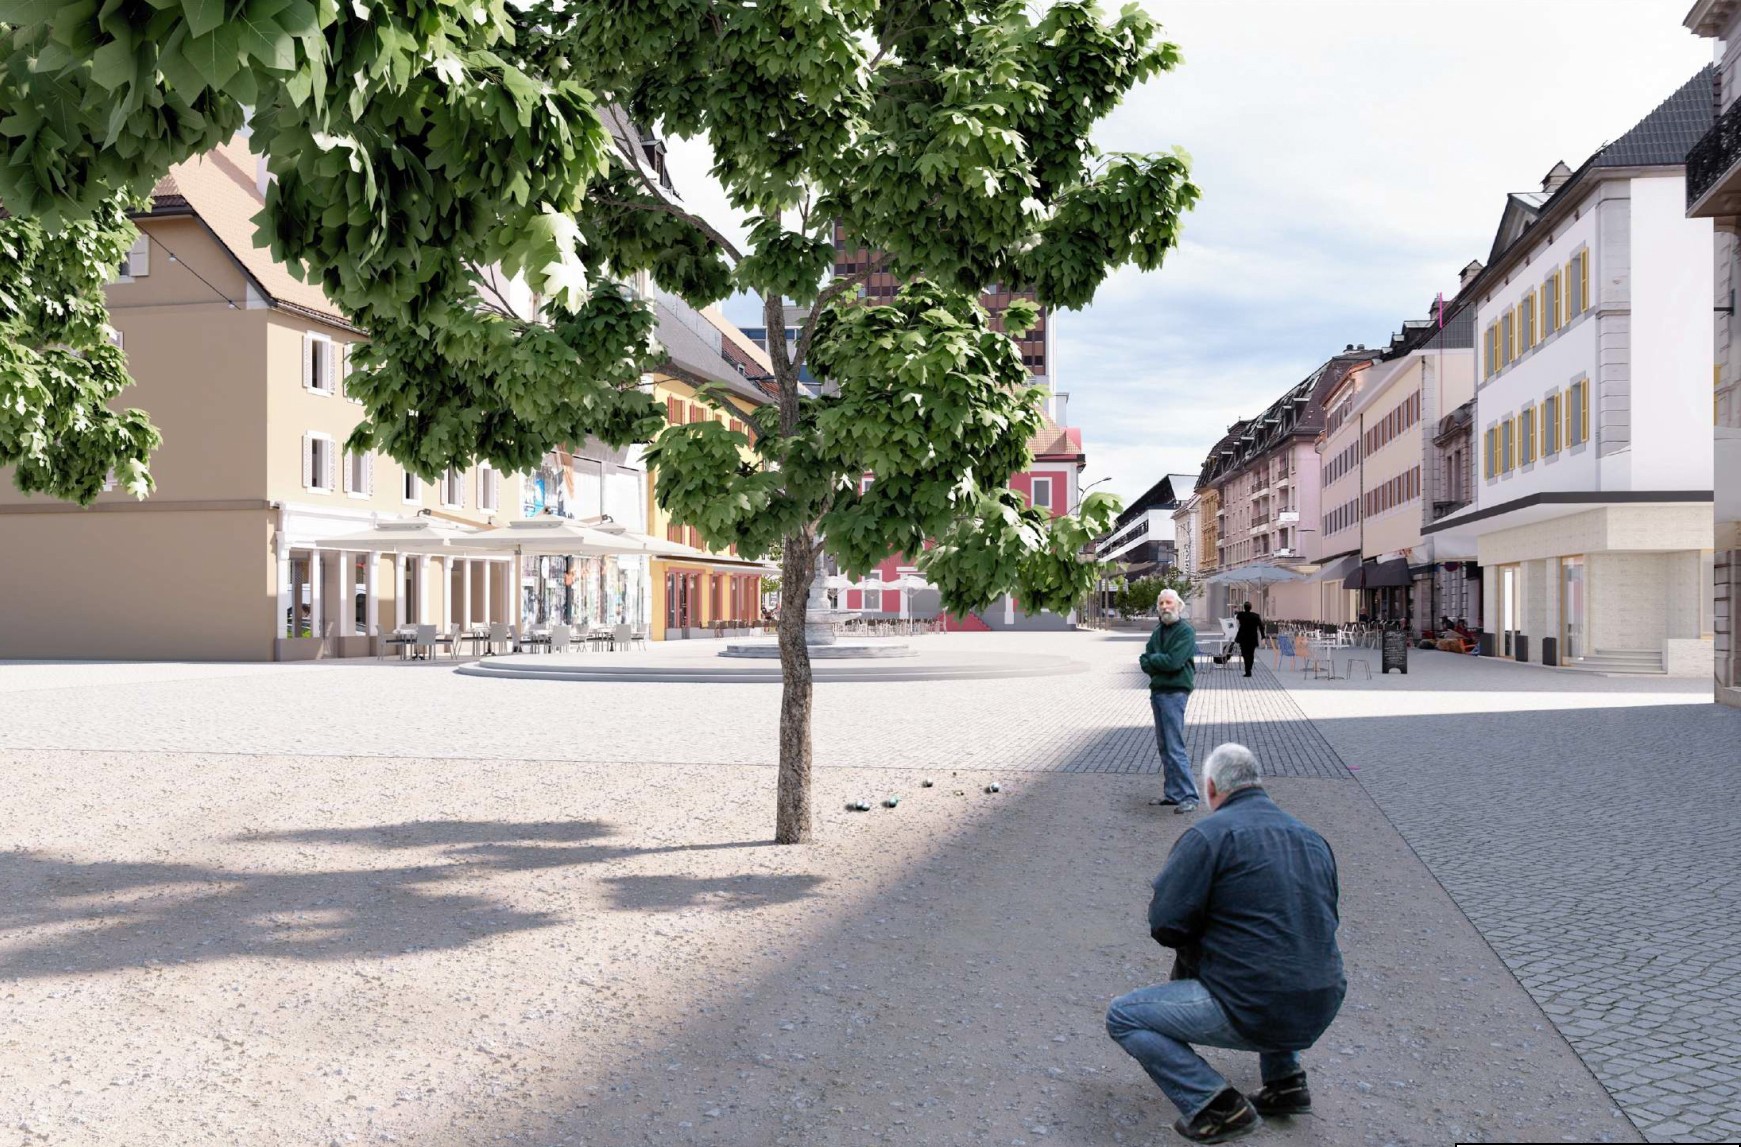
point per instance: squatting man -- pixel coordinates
(1248, 902)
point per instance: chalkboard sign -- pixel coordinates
(1396, 650)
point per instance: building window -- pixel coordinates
(489, 487)
(1526, 322)
(413, 489)
(1490, 349)
(1042, 496)
(359, 474)
(1550, 425)
(320, 465)
(1578, 284)
(1507, 338)
(137, 263)
(1551, 304)
(1578, 413)
(319, 364)
(1526, 435)
(452, 489)
(1508, 445)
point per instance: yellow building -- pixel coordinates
(708, 593)
(242, 367)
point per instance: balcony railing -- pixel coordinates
(1715, 155)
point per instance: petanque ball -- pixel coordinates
(926, 783)
(994, 787)
(891, 802)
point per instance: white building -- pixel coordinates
(1592, 517)
(1714, 193)
(1144, 536)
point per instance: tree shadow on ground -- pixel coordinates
(61, 916)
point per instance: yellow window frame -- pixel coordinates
(1526, 322)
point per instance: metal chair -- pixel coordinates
(500, 635)
(424, 638)
(1365, 667)
(620, 637)
(559, 638)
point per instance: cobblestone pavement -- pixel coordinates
(1595, 847)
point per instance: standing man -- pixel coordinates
(1249, 633)
(1170, 661)
(1248, 900)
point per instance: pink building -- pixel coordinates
(1052, 482)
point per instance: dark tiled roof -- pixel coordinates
(1666, 135)
(1298, 413)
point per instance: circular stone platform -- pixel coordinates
(703, 663)
(844, 650)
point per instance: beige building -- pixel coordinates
(243, 369)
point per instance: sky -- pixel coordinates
(1353, 156)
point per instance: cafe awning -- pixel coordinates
(1394, 574)
(1338, 569)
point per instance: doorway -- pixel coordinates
(1510, 606)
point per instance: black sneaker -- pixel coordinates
(1284, 1097)
(1229, 1115)
(1164, 801)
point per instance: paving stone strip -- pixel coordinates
(1595, 850)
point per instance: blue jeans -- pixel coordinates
(1158, 1025)
(1176, 782)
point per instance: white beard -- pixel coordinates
(1168, 617)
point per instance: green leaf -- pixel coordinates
(113, 65)
(214, 56)
(203, 15)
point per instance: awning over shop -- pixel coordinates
(1394, 574)
(1340, 568)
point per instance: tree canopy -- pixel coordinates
(422, 148)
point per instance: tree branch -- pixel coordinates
(622, 130)
(834, 290)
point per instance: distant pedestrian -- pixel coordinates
(1248, 901)
(1170, 661)
(1249, 633)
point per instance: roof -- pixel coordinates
(1054, 441)
(1298, 413)
(222, 188)
(693, 357)
(1660, 139)
(1166, 494)
(1664, 137)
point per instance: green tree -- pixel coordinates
(418, 145)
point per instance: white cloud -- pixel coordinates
(1353, 155)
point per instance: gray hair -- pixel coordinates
(1231, 767)
(1171, 595)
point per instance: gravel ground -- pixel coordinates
(288, 949)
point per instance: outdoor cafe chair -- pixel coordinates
(559, 638)
(638, 637)
(620, 637)
(423, 643)
(1363, 663)
(499, 635)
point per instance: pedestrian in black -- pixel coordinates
(1249, 633)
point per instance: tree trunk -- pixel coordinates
(798, 565)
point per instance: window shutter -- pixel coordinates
(1583, 280)
(350, 471)
(139, 258)
(307, 462)
(308, 362)
(332, 466)
(673, 412)
(369, 472)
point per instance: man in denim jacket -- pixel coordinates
(1248, 900)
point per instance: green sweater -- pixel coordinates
(1170, 659)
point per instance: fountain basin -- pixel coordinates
(844, 650)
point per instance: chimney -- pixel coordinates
(1556, 178)
(1061, 408)
(1468, 273)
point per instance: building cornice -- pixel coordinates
(1591, 498)
(1710, 18)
